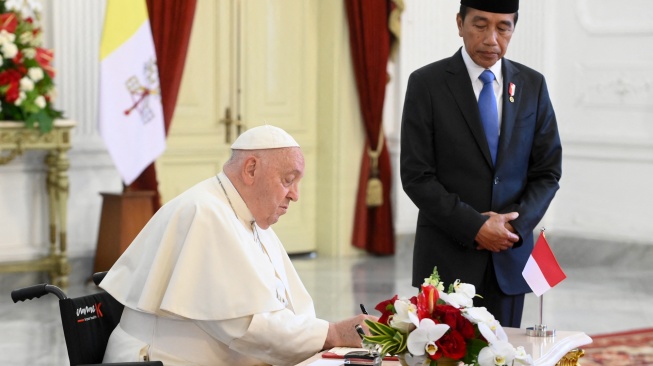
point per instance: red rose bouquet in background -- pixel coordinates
(439, 327)
(26, 87)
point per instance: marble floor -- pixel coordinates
(608, 288)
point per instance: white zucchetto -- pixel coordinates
(264, 137)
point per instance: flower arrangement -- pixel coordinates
(439, 327)
(26, 87)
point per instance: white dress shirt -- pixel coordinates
(475, 71)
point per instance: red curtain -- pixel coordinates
(370, 49)
(171, 22)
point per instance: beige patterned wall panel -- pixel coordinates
(275, 68)
(196, 148)
(199, 93)
(183, 172)
(278, 59)
(278, 83)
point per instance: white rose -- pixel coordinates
(40, 101)
(52, 95)
(26, 84)
(35, 73)
(21, 98)
(37, 40)
(9, 50)
(7, 37)
(26, 37)
(29, 53)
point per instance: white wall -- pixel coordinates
(596, 57)
(595, 54)
(605, 92)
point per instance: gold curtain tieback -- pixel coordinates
(374, 196)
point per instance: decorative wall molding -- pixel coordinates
(623, 18)
(615, 85)
(608, 151)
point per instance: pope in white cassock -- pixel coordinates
(207, 281)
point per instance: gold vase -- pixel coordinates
(442, 361)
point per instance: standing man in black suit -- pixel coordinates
(482, 180)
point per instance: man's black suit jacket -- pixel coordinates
(447, 171)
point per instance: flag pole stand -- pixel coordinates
(540, 330)
(546, 256)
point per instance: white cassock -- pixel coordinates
(203, 285)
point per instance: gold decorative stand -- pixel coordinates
(14, 140)
(572, 358)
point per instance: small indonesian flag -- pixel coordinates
(542, 271)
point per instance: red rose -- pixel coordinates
(451, 316)
(9, 76)
(452, 344)
(18, 59)
(466, 328)
(448, 315)
(386, 308)
(12, 92)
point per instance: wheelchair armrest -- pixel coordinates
(36, 291)
(98, 277)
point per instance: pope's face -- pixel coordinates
(276, 183)
(486, 35)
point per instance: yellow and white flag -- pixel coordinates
(130, 112)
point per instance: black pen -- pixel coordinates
(360, 331)
(363, 309)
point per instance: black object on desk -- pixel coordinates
(362, 358)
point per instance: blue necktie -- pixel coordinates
(487, 105)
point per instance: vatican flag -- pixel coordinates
(130, 112)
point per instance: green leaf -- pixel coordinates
(30, 120)
(387, 349)
(402, 342)
(391, 340)
(474, 347)
(378, 338)
(45, 121)
(378, 328)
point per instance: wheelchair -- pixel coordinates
(87, 322)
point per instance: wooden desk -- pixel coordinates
(14, 140)
(561, 350)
